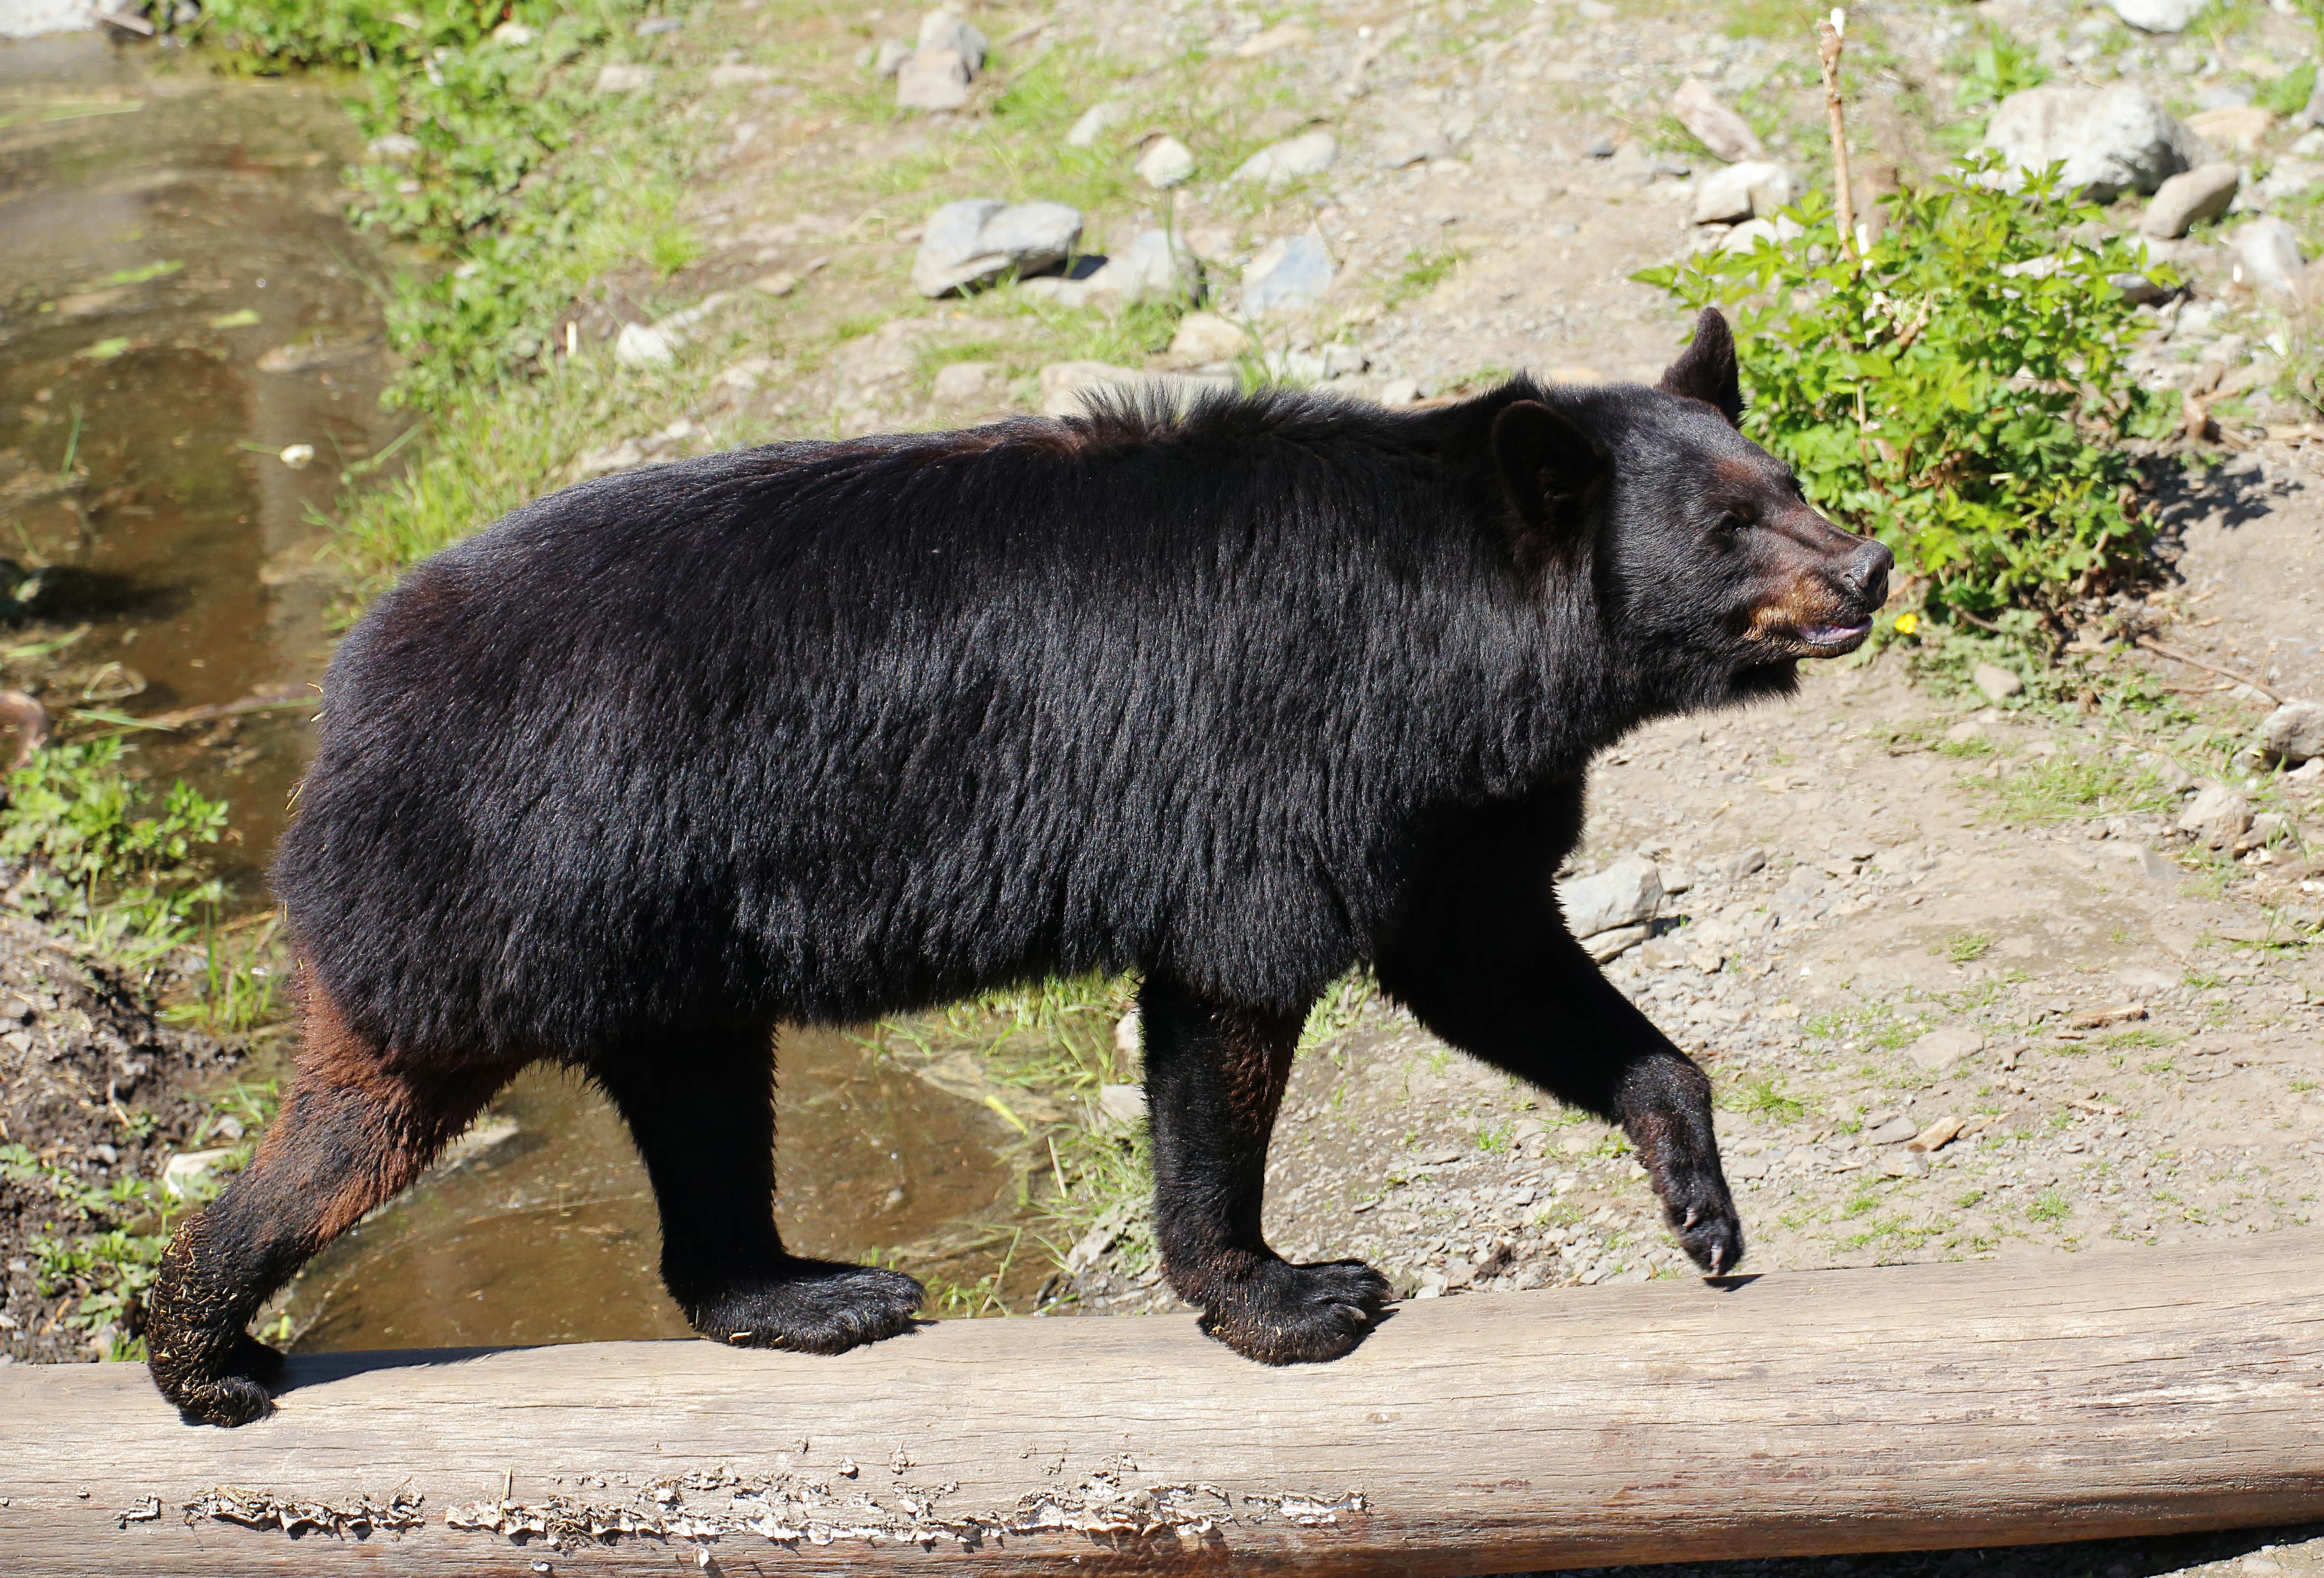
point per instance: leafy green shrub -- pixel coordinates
(96, 857)
(1963, 393)
(495, 189)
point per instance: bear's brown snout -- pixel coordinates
(1832, 583)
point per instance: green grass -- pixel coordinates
(1963, 946)
(1766, 1098)
(2063, 787)
(1425, 268)
(2052, 1206)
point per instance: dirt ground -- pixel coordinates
(1961, 986)
(94, 1093)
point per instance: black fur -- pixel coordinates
(1238, 698)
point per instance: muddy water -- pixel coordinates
(544, 1232)
(180, 301)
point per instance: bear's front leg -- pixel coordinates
(1214, 1078)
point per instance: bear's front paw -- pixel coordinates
(233, 1393)
(1701, 1216)
(1283, 1314)
(811, 1306)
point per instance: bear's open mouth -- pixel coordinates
(1831, 640)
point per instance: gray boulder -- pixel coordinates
(1743, 192)
(2158, 15)
(2267, 258)
(2190, 197)
(1288, 275)
(975, 241)
(1309, 153)
(1626, 893)
(2111, 140)
(2217, 816)
(2293, 732)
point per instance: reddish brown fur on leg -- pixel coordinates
(359, 1124)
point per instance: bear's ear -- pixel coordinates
(1549, 469)
(1706, 371)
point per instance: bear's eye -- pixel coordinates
(1738, 518)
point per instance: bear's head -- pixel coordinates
(1710, 573)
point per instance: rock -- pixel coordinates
(932, 79)
(2293, 732)
(781, 283)
(1400, 391)
(1742, 864)
(1714, 125)
(1153, 269)
(1905, 1164)
(1938, 1134)
(1607, 946)
(2158, 15)
(1747, 235)
(1283, 35)
(941, 30)
(297, 456)
(2112, 140)
(890, 57)
(394, 148)
(1310, 153)
(1624, 894)
(733, 76)
(1206, 336)
(1415, 146)
(1997, 683)
(2156, 866)
(2217, 816)
(976, 241)
(2267, 258)
(621, 78)
(513, 35)
(1124, 1104)
(1940, 1049)
(1289, 275)
(644, 346)
(2238, 126)
(1743, 192)
(2266, 828)
(965, 383)
(1166, 162)
(1894, 1131)
(2188, 198)
(1096, 122)
(190, 1173)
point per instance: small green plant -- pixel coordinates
(1766, 1098)
(1963, 946)
(1423, 269)
(100, 857)
(1963, 392)
(2052, 1206)
(1997, 67)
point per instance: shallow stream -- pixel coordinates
(190, 362)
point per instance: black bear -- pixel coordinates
(1238, 697)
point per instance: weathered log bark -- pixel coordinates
(2019, 1401)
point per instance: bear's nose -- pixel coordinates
(1867, 575)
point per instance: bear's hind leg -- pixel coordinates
(701, 1108)
(1214, 1078)
(357, 1126)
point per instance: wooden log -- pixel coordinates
(2026, 1399)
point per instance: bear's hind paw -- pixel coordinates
(1284, 1314)
(812, 1306)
